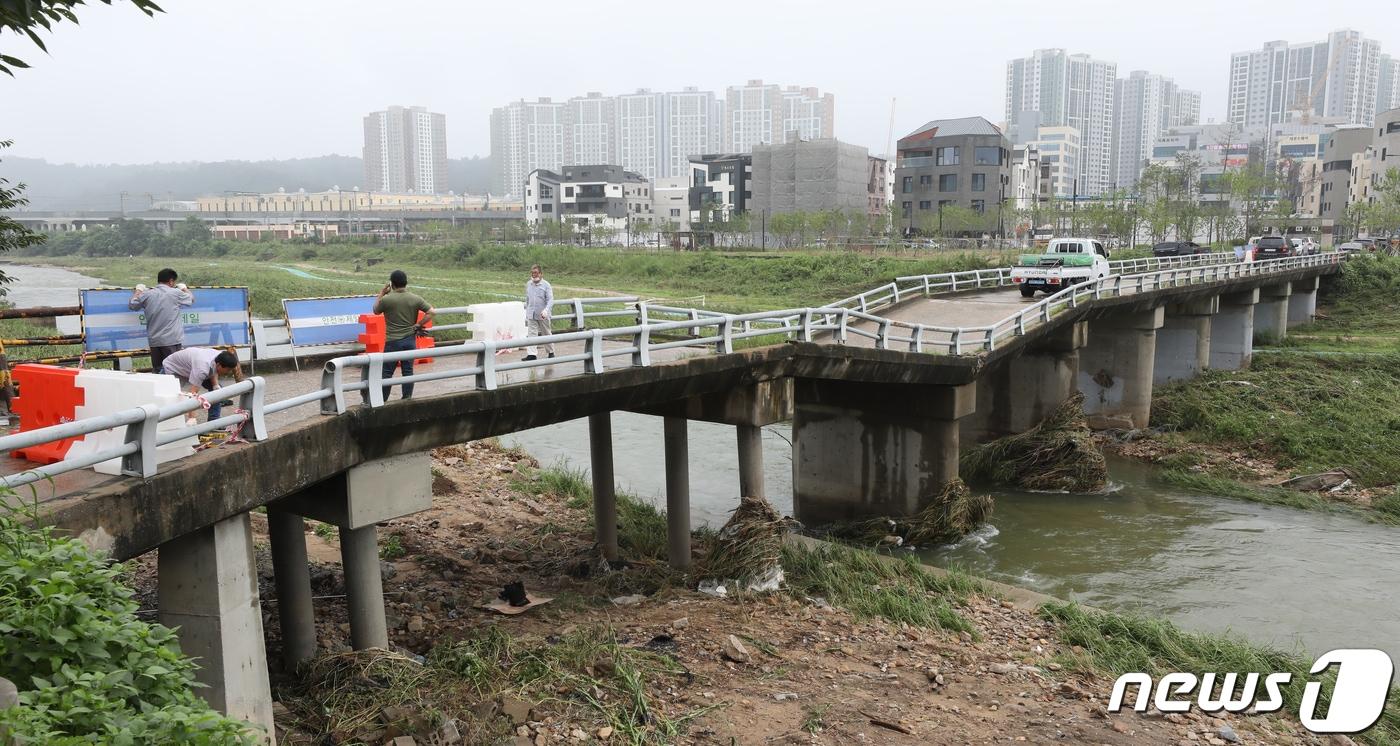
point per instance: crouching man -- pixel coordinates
(200, 368)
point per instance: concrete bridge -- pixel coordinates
(879, 404)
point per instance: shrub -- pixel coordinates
(87, 669)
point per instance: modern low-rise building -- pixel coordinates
(720, 185)
(951, 162)
(1060, 149)
(588, 198)
(671, 203)
(1025, 178)
(1345, 150)
(810, 176)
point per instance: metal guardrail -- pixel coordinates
(708, 329)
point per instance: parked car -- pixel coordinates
(1178, 248)
(1273, 247)
(1351, 247)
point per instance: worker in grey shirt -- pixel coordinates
(539, 298)
(165, 332)
(200, 367)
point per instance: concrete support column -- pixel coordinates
(750, 461)
(862, 450)
(364, 587)
(604, 485)
(287, 532)
(1115, 369)
(1183, 342)
(677, 492)
(1302, 304)
(1016, 395)
(1271, 314)
(1232, 331)
(208, 590)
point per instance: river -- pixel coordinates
(47, 286)
(1276, 575)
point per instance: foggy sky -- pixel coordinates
(260, 79)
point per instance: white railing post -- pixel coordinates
(142, 463)
(957, 341)
(593, 348)
(916, 343)
(725, 345)
(375, 378)
(805, 335)
(991, 340)
(486, 366)
(1021, 324)
(641, 357)
(882, 336)
(251, 401)
(642, 319)
(927, 290)
(332, 378)
(578, 313)
(845, 320)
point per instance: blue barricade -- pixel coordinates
(219, 317)
(326, 321)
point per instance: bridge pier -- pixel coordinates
(208, 590)
(1115, 369)
(1232, 331)
(1183, 342)
(750, 441)
(677, 492)
(1271, 315)
(604, 484)
(355, 501)
(292, 574)
(1302, 304)
(1015, 396)
(863, 450)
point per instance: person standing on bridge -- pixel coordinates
(165, 331)
(539, 299)
(401, 324)
(200, 367)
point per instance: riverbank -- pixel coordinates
(856, 648)
(1324, 399)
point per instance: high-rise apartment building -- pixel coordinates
(693, 123)
(1388, 84)
(1338, 77)
(405, 151)
(526, 135)
(759, 113)
(592, 129)
(639, 133)
(1145, 106)
(1052, 88)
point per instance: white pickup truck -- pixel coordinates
(1066, 261)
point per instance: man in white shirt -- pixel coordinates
(199, 368)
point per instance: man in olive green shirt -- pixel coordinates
(401, 324)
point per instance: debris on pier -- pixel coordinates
(948, 516)
(1057, 454)
(748, 547)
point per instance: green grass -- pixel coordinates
(1306, 412)
(1118, 644)
(730, 282)
(870, 585)
(1226, 487)
(391, 547)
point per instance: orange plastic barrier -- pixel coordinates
(48, 395)
(373, 336)
(424, 343)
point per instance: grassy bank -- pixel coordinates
(1115, 644)
(1309, 404)
(461, 275)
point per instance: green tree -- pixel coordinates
(13, 235)
(28, 17)
(192, 230)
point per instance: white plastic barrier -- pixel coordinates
(110, 391)
(497, 321)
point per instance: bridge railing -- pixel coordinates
(143, 434)
(634, 343)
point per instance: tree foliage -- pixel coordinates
(12, 234)
(87, 669)
(29, 17)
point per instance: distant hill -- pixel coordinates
(54, 186)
